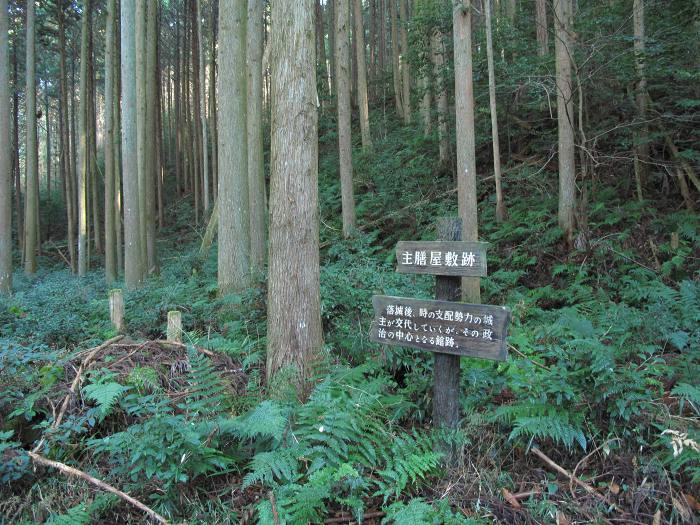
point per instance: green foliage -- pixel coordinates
(105, 394)
(15, 461)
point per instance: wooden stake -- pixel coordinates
(446, 368)
(116, 309)
(174, 332)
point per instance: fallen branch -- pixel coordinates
(74, 385)
(70, 471)
(528, 358)
(273, 505)
(585, 486)
(348, 519)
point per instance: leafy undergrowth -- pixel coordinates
(602, 376)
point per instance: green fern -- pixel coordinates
(77, 515)
(207, 392)
(689, 394)
(106, 395)
(417, 512)
(279, 465)
(265, 420)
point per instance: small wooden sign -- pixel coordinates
(456, 258)
(472, 330)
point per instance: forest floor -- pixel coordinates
(594, 417)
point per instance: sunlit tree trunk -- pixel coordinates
(342, 78)
(212, 105)
(5, 157)
(405, 66)
(362, 77)
(196, 131)
(110, 242)
(133, 261)
(141, 127)
(83, 146)
(294, 335)
(203, 111)
(500, 205)
(31, 208)
(256, 174)
(47, 114)
(234, 225)
(641, 149)
(466, 149)
(565, 119)
(19, 215)
(542, 33)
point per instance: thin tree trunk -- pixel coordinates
(256, 174)
(203, 110)
(542, 33)
(565, 119)
(142, 127)
(382, 40)
(396, 71)
(362, 77)
(641, 149)
(31, 154)
(405, 67)
(118, 192)
(437, 46)
(48, 147)
(342, 76)
(196, 113)
(5, 157)
(234, 225)
(212, 104)
(500, 205)
(83, 149)
(152, 138)
(92, 138)
(19, 215)
(110, 248)
(133, 261)
(331, 42)
(177, 85)
(466, 149)
(295, 338)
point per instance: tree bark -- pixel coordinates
(294, 335)
(110, 244)
(256, 173)
(437, 46)
(212, 105)
(466, 153)
(142, 127)
(405, 67)
(565, 119)
(83, 147)
(641, 149)
(362, 77)
(342, 76)
(31, 155)
(152, 137)
(5, 157)
(500, 205)
(542, 33)
(133, 261)
(396, 71)
(234, 225)
(19, 216)
(203, 110)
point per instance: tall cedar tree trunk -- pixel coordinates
(256, 174)
(83, 147)
(234, 225)
(47, 114)
(177, 85)
(110, 234)
(382, 40)
(212, 104)
(500, 205)
(5, 157)
(405, 67)
(542, 33)
(92, 138)
(203, 110)
(196, 109)
(331, 43)
(19, 215)
(151, 138)
(31, 207)
(362, 77)
(119, 240)
(565, 119)
(641, 150)
(321, 53)
(396, 71)
(133, 261)
(437, 46)
(466, 149)
(141, 128)
(294, 334)
(342, 78)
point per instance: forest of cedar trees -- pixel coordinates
(199, 200)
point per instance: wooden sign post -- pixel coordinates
(448, 328)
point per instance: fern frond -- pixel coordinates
(281, 464)
(265, 420)
(105, 395)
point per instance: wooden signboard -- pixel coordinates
(473, 330)
(455, 258)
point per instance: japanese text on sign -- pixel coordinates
(442, 258)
